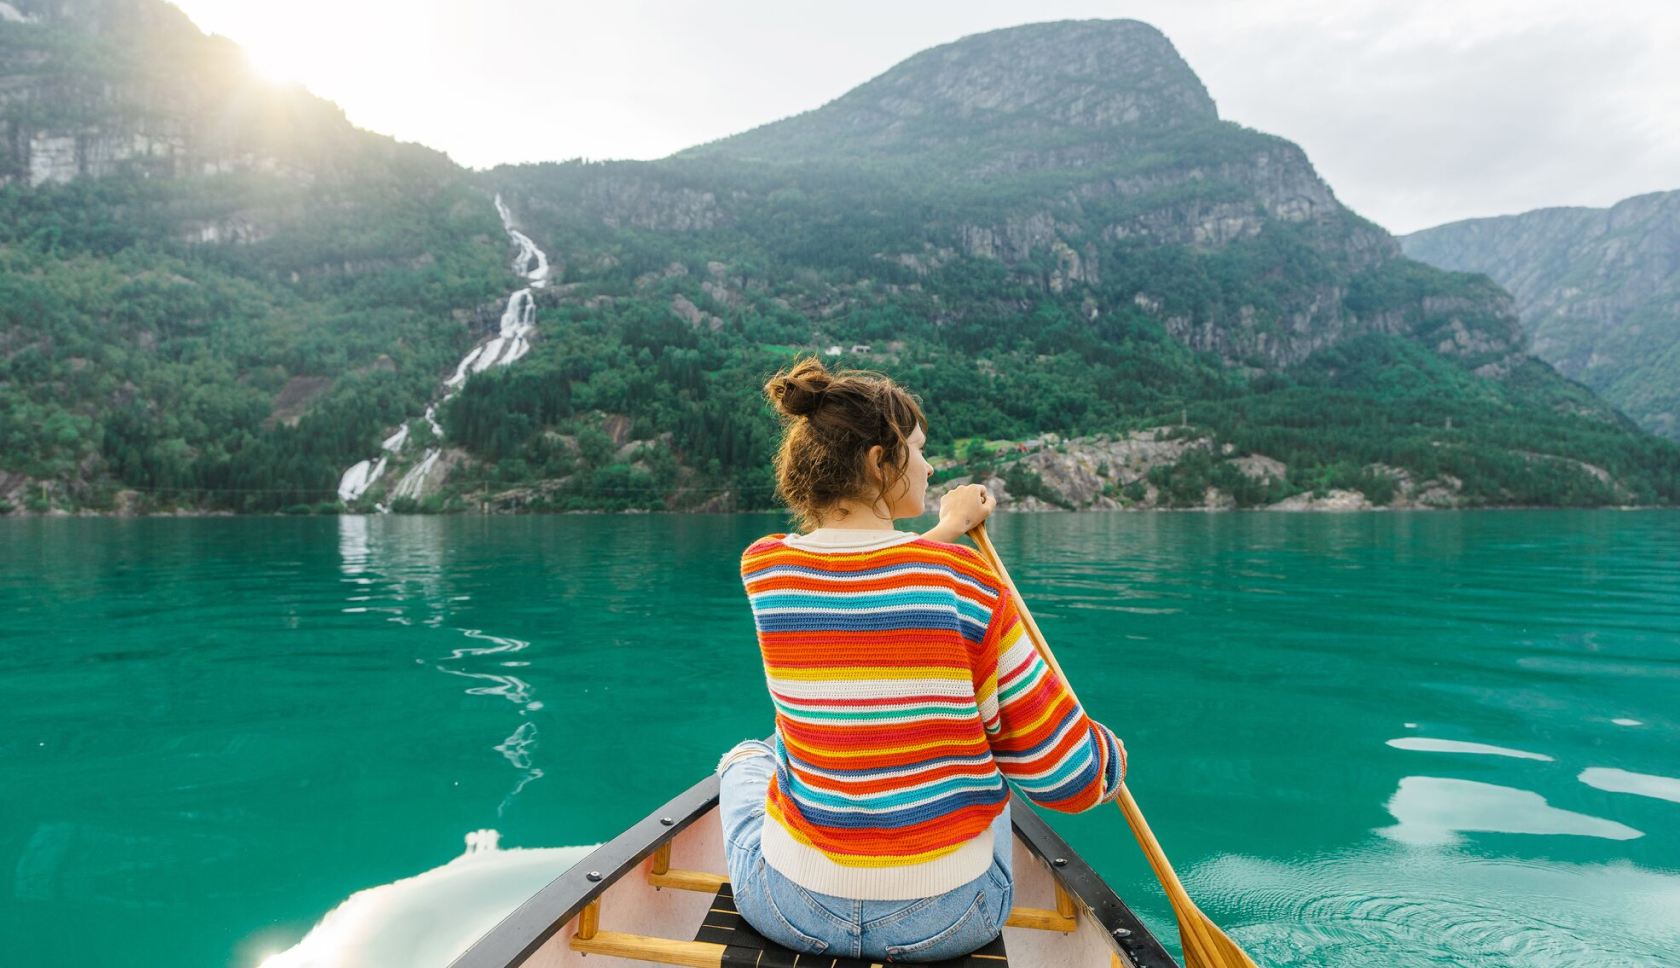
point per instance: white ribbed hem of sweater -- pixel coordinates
(811, 869)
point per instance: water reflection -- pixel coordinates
(1426, 745)
(1435, 810)
(402, 560)
(1623, 781)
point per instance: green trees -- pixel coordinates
(132, 357)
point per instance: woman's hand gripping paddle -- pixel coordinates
(1205, 946)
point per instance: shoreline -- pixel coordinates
(58, 514)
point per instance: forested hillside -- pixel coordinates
(1041, 230)
(1598, 288)
(212, 289)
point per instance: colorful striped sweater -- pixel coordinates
(906, 689)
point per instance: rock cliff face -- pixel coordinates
(1598, 289)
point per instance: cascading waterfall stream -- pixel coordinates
(512, 341)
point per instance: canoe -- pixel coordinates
(659, 894)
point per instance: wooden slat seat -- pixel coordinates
(746, 948)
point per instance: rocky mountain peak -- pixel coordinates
(1091, 74)
(1102, 78)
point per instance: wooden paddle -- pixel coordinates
(1204, 944)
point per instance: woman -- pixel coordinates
(875, 822)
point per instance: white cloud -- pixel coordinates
(1416, 113)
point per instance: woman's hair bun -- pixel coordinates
(799, 392)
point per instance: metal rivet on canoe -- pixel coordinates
(593, 875)
(1060, 862)
(667, 821)
(1122, 932)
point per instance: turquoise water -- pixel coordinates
(1366, 740)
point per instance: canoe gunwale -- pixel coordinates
(1137, 943)
(518, 936)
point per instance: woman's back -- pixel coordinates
(904, 694)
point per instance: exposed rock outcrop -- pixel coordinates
(1114, 473)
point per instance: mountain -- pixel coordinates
(1106, 295)
(1599, 289)
(1042, 229)
(1068, 142)
(213, 289)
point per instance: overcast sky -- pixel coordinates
(1416, 112)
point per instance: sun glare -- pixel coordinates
(276, 62)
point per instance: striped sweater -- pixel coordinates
(906, 690)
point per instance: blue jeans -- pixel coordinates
(948, 925)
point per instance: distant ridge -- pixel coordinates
(1598, 288)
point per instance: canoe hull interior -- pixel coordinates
(632, 888)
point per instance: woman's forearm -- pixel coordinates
(946, 531)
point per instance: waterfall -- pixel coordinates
(519, 319)
(511, 341)
(536, 273)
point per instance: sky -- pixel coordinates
(1417, 112)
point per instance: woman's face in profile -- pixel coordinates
(910, 498)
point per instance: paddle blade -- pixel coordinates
(1206, 946)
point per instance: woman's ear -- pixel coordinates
(872, 463)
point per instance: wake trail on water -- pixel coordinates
(511, 341)
(425, 921)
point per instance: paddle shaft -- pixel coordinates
(1152, 849)
(1197, 933)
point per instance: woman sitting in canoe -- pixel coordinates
(875, 822)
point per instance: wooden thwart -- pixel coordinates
(1061, 919)
(663, 951)
(699, 881)
(726, 940)
(589, 939)
(1040, 920)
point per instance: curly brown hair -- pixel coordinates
(829, 422)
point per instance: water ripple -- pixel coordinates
(1406, 908)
